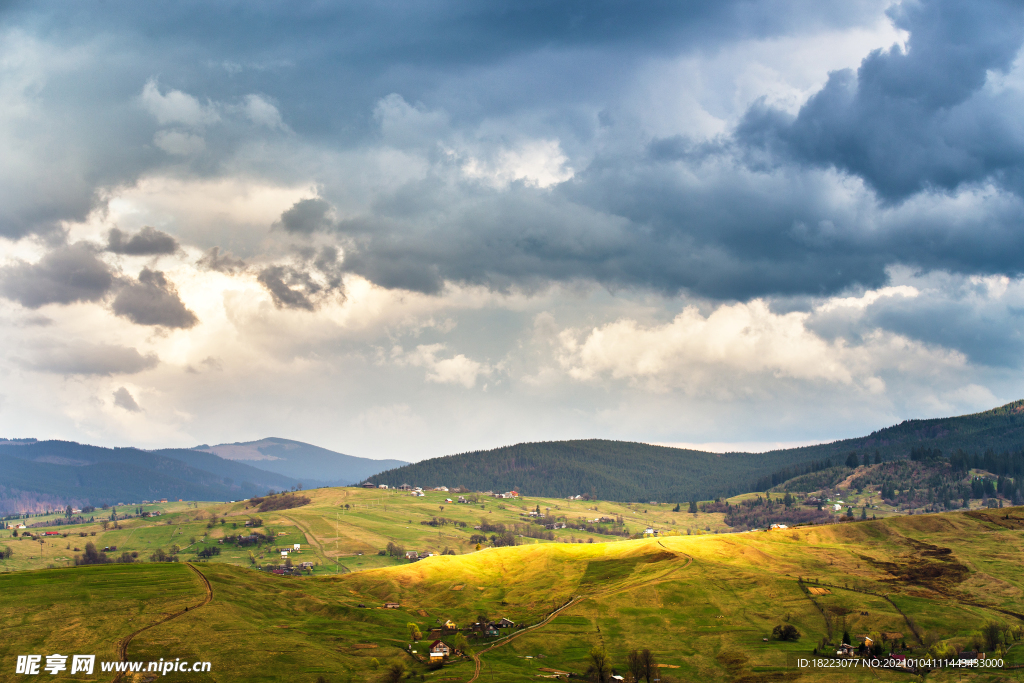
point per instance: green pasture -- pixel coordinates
(704, 604)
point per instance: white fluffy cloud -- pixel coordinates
(457, 369)
(739, 346)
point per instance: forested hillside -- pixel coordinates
(616, 470)
(1000, 429)
(613, 470)
(43, 474)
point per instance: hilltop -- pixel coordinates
(619, 470)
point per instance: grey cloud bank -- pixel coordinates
(526, 200)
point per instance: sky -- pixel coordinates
(401, 229)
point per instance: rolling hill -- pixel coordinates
(705, 605)
(615, 470)
(312, 465)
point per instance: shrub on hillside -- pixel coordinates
(160, 556)
(91, 556)
(787, 632)
(280, 501)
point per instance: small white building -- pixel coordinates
(439, 650)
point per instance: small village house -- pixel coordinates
(439, 650)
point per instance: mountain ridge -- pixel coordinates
(311, 464)
(641, 471)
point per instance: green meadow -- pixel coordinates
(705, 605)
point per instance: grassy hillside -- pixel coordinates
(616, 470)
(702, 604)
(343, 529)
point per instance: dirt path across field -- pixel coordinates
(122, 644)
(476, 657)
(478, 665)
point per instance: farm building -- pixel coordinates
(506, 623)
(450, 625)
(391, 605)
(439, 650)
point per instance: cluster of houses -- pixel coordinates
(420, 491)
(440, 650)
(865, 643)
(416, 555)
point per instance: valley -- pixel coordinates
(704, 603)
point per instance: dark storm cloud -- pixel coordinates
(911, 120)
(710, 227)
(306, 216)
(147, 242)
(750, 215)
(65, 275)
(83, 358)
(124, 399)
(316, 278)
(214, 260)
(153, 300)
(758, 213)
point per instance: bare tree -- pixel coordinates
(635, 665)
(394, 673)
(650, 665)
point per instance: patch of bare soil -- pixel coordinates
(1008, 519)
(929, 566)
(736, 665)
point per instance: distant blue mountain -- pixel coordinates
(311, 465)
